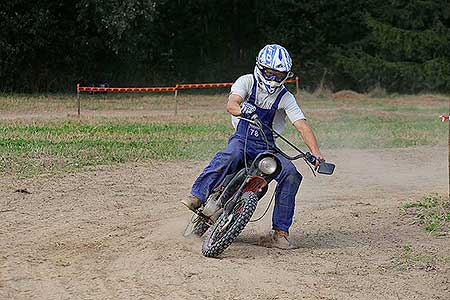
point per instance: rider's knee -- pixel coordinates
(297, 177)
(226, 159)
(233, 158)
(293, 176)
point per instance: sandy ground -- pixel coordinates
(115, 233)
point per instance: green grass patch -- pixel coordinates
(432, 213)
(28, 150)
(410, 258)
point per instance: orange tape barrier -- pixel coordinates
(125, 90)
(202, 85)
(212, 85)
(160, 89)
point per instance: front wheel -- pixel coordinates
(228, 227)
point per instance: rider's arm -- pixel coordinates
(233, 105)
(309, 138)
(296, 116)
(239, 91)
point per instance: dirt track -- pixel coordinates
(115, 233)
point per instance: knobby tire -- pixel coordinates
(211, 248)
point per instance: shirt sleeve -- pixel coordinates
(293, 111)
(242, 86)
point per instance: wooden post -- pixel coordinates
(78, 100)
(322, 81)
(297, 92)
(176, 99)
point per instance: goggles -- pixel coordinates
(274, 75)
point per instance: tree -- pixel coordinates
(406, 48)
(52, 45)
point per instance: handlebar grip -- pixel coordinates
(310, 158)
(254, 117)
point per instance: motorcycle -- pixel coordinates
(231, 205)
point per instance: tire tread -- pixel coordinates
(236, 228)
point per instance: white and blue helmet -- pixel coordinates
(273, 67)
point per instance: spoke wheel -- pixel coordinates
(228, 227)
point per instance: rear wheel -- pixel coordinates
(227, 228)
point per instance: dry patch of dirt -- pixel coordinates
(115, 233)
(348, 95)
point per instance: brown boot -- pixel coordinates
(192, 202)
(280, 240)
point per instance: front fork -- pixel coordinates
(250, 184)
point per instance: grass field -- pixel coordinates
(41, 134)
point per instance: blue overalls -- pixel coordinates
(228, 161)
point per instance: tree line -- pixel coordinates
(49, 46)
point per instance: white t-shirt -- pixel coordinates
(287, 106)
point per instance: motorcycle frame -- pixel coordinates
(249, 174)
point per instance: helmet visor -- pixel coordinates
(274, 75)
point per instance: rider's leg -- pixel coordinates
(223, 163)
(288, 182)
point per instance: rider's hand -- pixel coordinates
(319, 157)
(251, 116)
(248, 110)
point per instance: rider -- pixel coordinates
(262, 93)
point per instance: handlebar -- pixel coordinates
(311, 158)
(324, 167)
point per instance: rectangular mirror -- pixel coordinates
(326, 168)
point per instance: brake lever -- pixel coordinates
(311, 158)
(311, 168)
